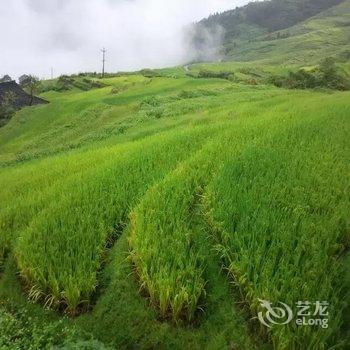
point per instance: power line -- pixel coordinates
(103, 61)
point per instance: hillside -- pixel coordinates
(13, 97)
(175, 149)
(308, 32)
(165, 209)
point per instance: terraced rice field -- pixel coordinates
(168, 209)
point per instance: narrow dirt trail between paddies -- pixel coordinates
(176, 209)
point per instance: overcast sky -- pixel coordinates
(67, 35)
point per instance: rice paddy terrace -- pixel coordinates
(156, 212)
(159, 209)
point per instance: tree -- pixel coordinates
(7, 108)
(65, 82)
(332, 77)
(32, 85)
(5, 79)
(22, 79)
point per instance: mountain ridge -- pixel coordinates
(235, 31)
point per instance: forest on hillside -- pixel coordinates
(258, 18)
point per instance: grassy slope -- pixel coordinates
(129, 205)
(323, 35)
(254, 62)
(58, 171)
(77, 118)
(306, 44)
(219, 107)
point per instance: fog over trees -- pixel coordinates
(67, 36)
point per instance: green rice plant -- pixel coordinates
(39, 184)
(280, 210)
(60, 252)
(168, 238)
(259, 169)
(167, 249)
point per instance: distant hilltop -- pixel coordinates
(277, 31)
(13, 98)
(21, 98)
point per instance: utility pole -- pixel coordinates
(51, 73)
(103, 61)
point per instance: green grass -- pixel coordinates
(303, 44)
(76, 118)
(282, 221)
(156, 212)
(94, 207)
(190, 187)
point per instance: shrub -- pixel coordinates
(326, 75)
(216, 75)
(149, 73)
(7, 108)
(18, 331)
(331, 75)
(188, 94)
(118, 89)
(151, 101)
(65, 83)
